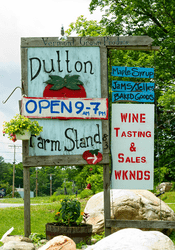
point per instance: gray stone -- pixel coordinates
(127, 205)
(134, 239)
(18, 245)
(164, 186)
(60, 243)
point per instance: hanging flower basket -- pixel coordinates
(16, 128)
(25, 136)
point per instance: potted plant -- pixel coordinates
(70, 222)
(21, 127)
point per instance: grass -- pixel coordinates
(40, 215)
(44, 213)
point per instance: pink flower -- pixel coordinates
(14, 138)
(11, 134)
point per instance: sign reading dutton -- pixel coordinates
(132, 146)
(65, 97)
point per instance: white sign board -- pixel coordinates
(132, 146)
(65, 108)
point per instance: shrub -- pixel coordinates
(86, 193)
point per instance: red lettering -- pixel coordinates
(147, 175)
(127, 160)
(123, 134)
(124, 176)
(143, 159)
(148, 134)
(135, 117)
(142, 118)
(123, 117)
(121, 159)
(132, 161)
(137, 159)
(139, 175)
(116, 129)
(129, 133)
(132, 175)
(117, 174)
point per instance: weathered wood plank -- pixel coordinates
(139, 224)
(156, 48)
(106, 188)
(63, 160)
(26, 179)
(87, 41)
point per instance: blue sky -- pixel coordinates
(34, 18)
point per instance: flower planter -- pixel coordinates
(77, 233)
(26, 135)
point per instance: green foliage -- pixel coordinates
(69, 211)
(86, 193)
(36, 238)
(18, 124)
(83, 27)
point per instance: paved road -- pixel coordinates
(3, 205)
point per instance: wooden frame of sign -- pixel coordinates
(104, 43)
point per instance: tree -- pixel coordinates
(157, 20)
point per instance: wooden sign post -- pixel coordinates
(70, 127)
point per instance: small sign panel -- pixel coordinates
(132, 72)
(132, 146)
(65, 108)
(133, 96)
(127, 86)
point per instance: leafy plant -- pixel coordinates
(86, 193)
(69, 212)
(18, 124)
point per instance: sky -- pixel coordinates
(34, 18)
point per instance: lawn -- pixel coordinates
(44, 212)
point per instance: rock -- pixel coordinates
(134, 239)
(16, 238)
(18, 245)
(127, 205)
(59, 243)
(165, 186)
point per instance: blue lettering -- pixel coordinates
(69, 109)
(35, 106)
(43, 107)
(54, 103)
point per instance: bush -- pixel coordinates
(86, 193)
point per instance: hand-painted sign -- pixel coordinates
(64, 83)
(132, 146)
(133, 96)
(92, 156)
(65, 108)
(127, 86)
(132, 72)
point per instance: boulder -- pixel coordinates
(134, 239)
(164, 186)
(59, 243)
(18, 245)
(127, 205)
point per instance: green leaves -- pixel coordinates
(70, 82)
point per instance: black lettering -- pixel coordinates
(97, 136)
(57, 145)
(80, 68)
(52, 68)
(59, 61)
(31, 68)
(73, 143)
(67, 61)
(90, 67)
